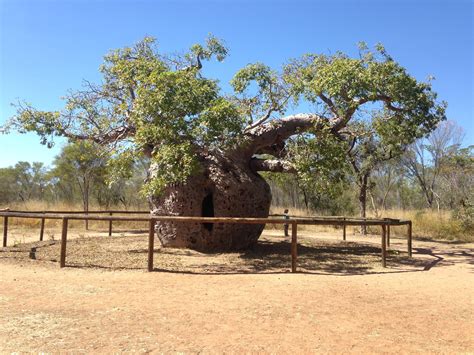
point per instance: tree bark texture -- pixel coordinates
(228, 185)
(224, 188)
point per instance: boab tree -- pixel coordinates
(207, 148)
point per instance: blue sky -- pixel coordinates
(48, 47)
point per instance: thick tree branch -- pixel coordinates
(356, 103)
(388, 101)
(118, 134)
(274, 107)
(111, 137)
(273, 165)
(278, 131)
(260, 121)
(197, 66)
(329, 102)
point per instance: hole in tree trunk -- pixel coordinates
(208, 210)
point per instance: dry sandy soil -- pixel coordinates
(340, 301)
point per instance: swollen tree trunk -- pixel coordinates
(225, 187)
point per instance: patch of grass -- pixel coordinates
(427, 224)
(55, 224)
(432, 224)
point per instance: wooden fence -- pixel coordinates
(66, 216)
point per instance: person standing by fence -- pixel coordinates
(286, 216)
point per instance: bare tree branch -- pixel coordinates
(329, 102)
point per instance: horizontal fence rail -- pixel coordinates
(81, 212)
(67, 216)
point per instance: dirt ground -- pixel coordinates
(341, 300)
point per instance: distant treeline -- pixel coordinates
(435, 172)
(79, 174)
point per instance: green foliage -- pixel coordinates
(79, 157)
(320, 161)
(79, 165)
(384, 108)
(170, 163)
(214, 46)
(457, 169)
(345, 84)
(120, 166)
(146, 100)
(162, 106)
(81, 171)
(465, 215)
(261, 90)
(220, 124)
(23, 182)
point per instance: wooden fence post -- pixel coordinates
(5, 231)
(388, 235)
(42, 229)
(62, 261)
(384, 247)
(344, 229)
(409, 239)
(110, 226)
(294, 245)
(151, 244)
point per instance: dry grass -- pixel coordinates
(427, 224)
(432, 224)
(62, 206)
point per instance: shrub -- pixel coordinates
(465, 215)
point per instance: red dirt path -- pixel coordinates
(43, 308)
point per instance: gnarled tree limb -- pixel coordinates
(278, 131)
(273, 165)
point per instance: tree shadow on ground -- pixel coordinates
(343, 258)
(442, 257)
(269, 255)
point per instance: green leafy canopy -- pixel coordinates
(164, 107)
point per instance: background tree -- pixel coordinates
(205, 146)
(388, 178)
(8, 186)
(426, 157)
(23, 182)
(79, 166)
(456, 185)
(374, 146)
